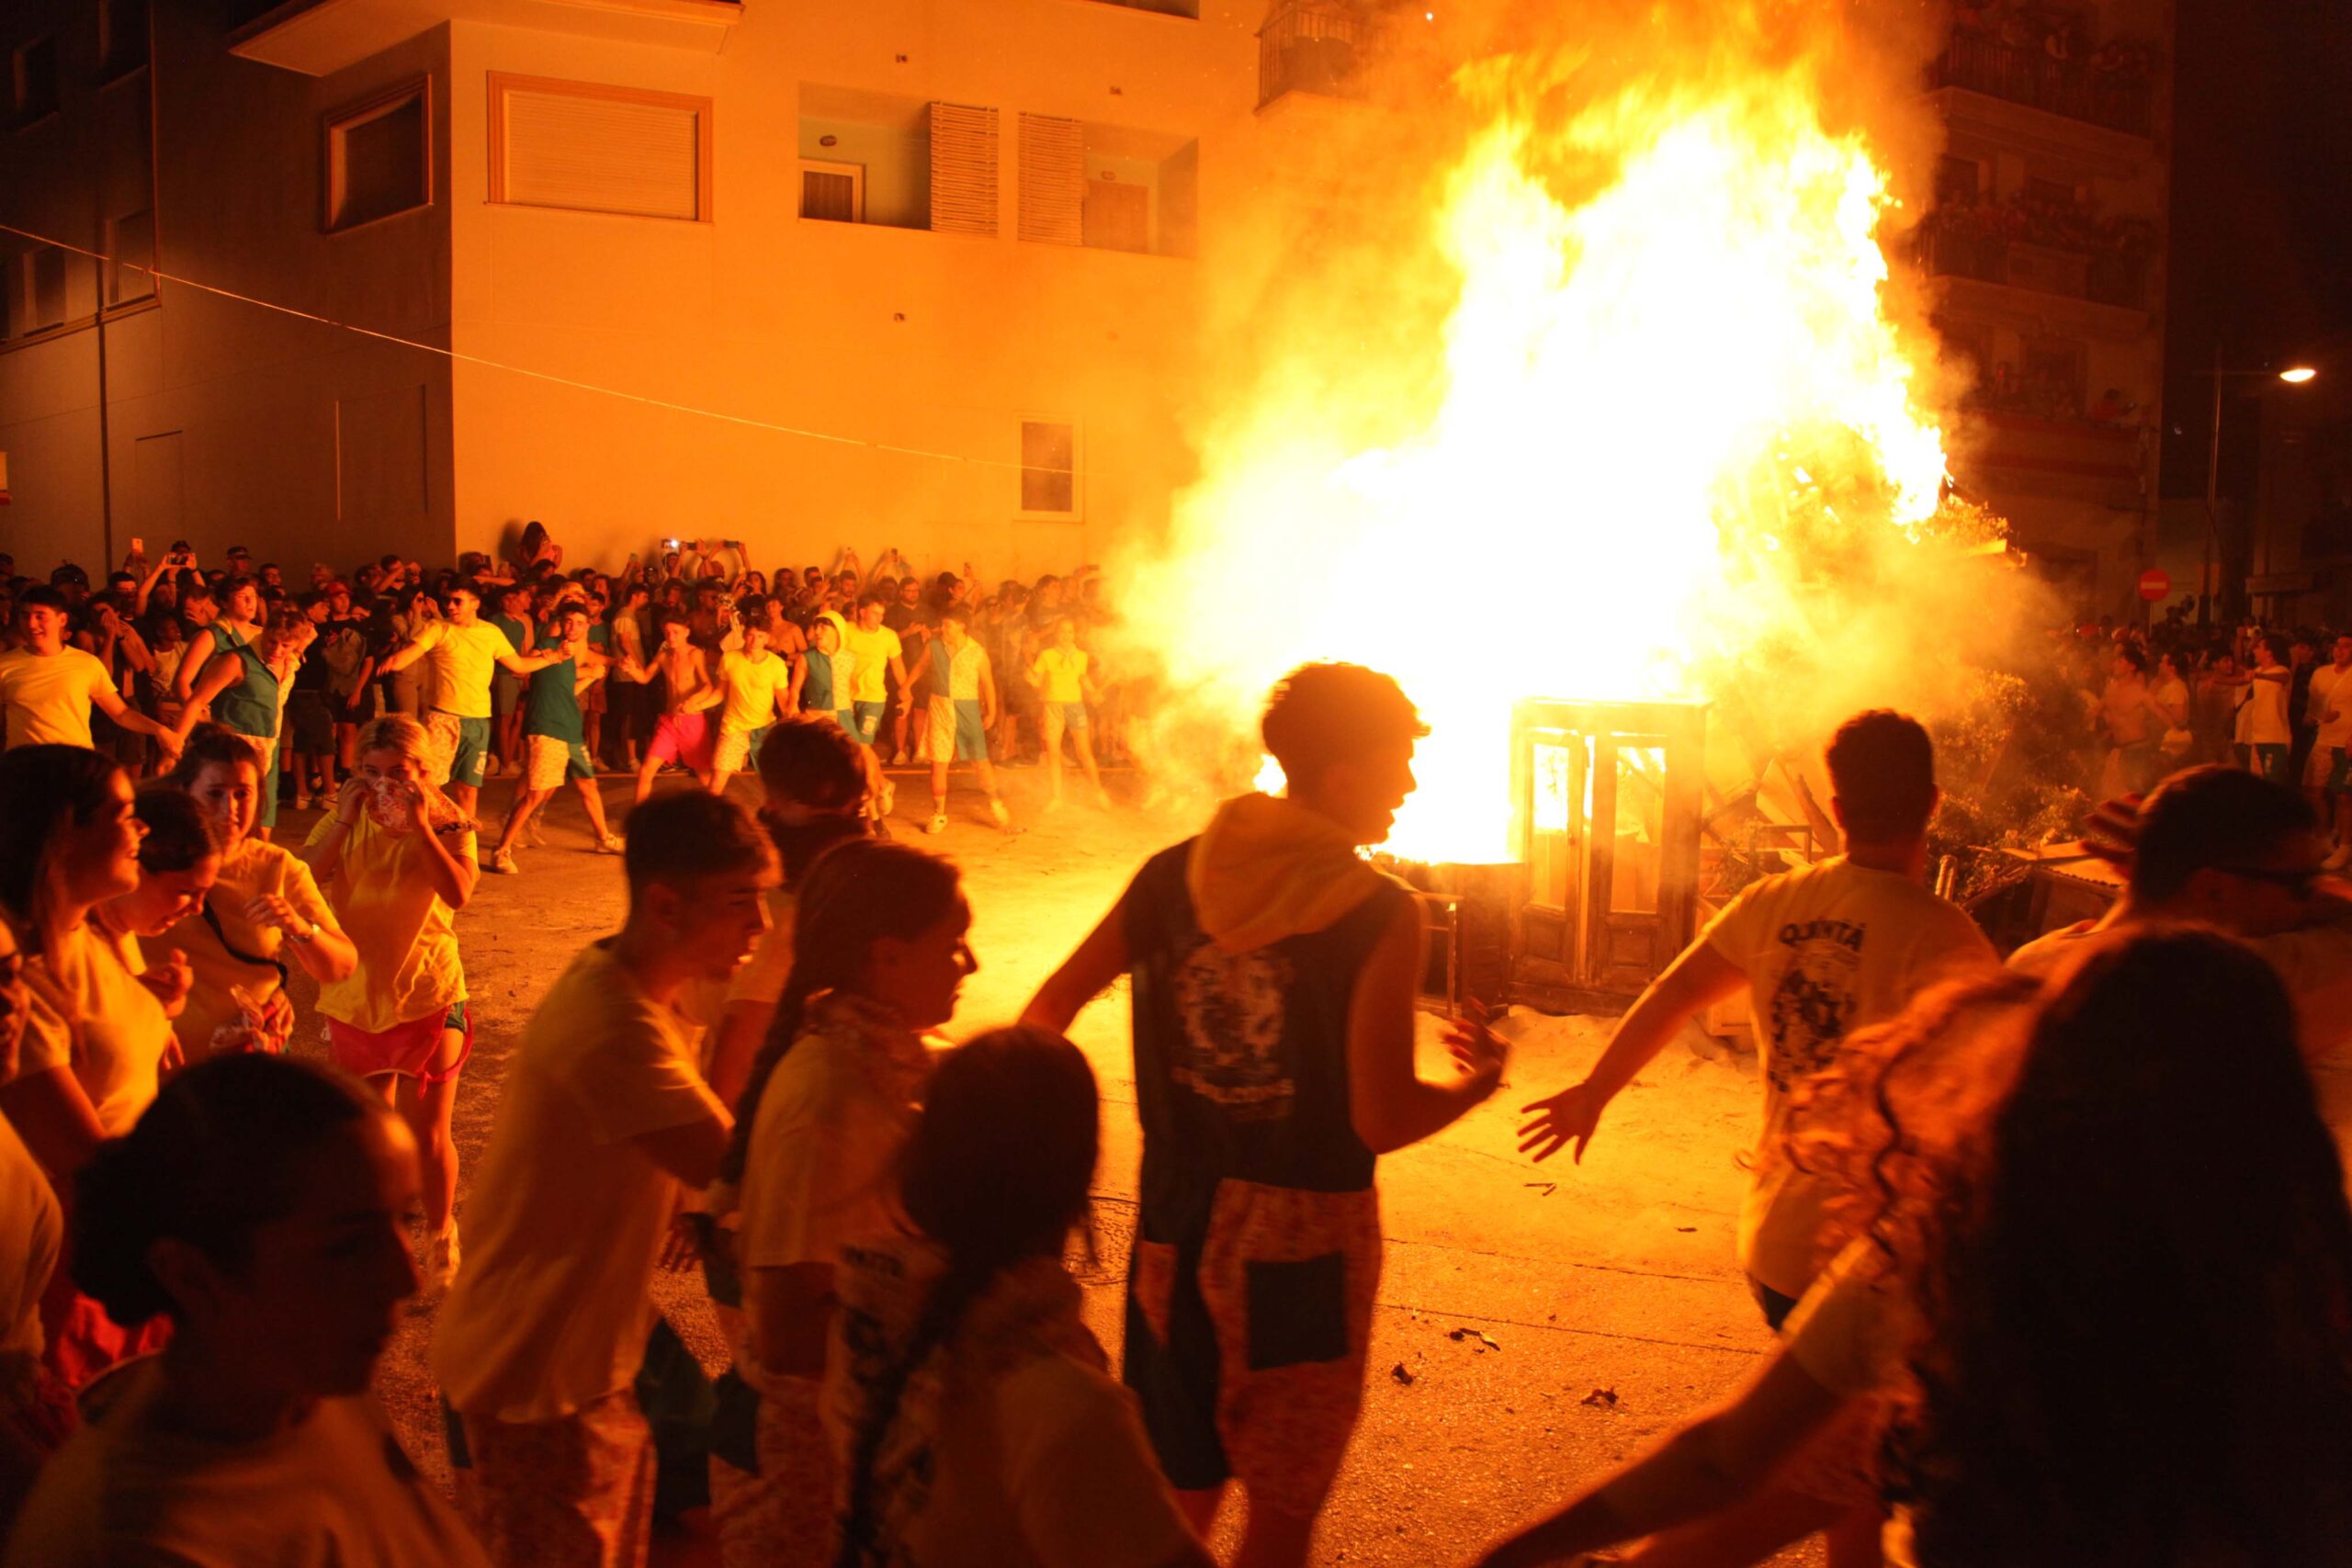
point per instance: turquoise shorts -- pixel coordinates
(956, 725)
(1072, 714)
(868, 722)
(470, 758)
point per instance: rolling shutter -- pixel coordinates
(963, 169)
(594, 151)
(1053, 180)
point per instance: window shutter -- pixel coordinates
(1118, 217)
(963, 169)
(601, 153)
(1053, 179)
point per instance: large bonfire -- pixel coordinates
(1665, 425)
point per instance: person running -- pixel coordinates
(757, 680)
(878, 955)
(878, 671)
(258, 1209)
(1275, 973)
(398, 860)
(48, 689)
(2329, 778)
(682, 735)
(1821, 950)
(1065, 688)
(555, 740)
(977, 1418)
(2025, 1181)
(246, 689)
(464, 650)
(238, 620)
(260, 910)
(963, 710)
(602, 1122)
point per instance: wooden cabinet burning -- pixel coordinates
(1606, 805)
(1607, 799)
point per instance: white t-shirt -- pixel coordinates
(32, 1231)
(2263, 720)
(333, 1491)
(550, 1310)
(1827, 949)
(91, 1014)
(2332, 688)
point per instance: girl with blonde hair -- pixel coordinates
(397, 861)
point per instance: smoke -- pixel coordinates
(1569, 362)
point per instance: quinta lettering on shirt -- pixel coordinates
(1845, 933)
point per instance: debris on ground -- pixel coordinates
(1545, 1188)
(1687, 1230)
(1401, 1375)
(1486, 1340)
(1602, 1399)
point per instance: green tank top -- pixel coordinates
(249, 707)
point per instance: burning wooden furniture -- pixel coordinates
(1607, 804)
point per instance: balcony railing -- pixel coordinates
(2108, 278)
(2031, 76)
(1310, 46)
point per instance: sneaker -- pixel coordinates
(302, 800)
(898, 758)
(502, 863)
(441, 1258)
(938, 823)
(610, 844)
(997, 813)
(889, 798)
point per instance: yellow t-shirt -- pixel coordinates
(381, 899)
(752, 688)
(89, 1013)
(551, 1309)
(256, 868)
(873, 650)
(462, 659)
(1827, 950)
(1060, 671)
(48, 698)
(333, 1489)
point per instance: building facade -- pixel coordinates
(2045, 251)
(916, 274)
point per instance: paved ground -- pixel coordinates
(1608, 1291)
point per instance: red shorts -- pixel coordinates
(407, 1049)
(685, 739)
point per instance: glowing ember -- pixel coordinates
(1677, 445)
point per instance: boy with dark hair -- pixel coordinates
(555, 740)
(47, 689)
(683, 734)
(466, 651)
(961, 710)
(1822, 952)
(1275, 977)
(513, 618)
(602, 1121)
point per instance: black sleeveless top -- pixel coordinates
(1242, 1059)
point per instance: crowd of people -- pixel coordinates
(2276, 702)
(679, 662)
(2056, 1249)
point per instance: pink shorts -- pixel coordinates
(407, 1049)
(685, 739)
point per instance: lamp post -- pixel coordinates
(2295, 376)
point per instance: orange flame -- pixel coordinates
(1677, 423)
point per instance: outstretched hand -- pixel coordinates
(1567, 1117)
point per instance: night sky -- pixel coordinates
(2261, 210)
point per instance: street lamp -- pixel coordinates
(2295, 376)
